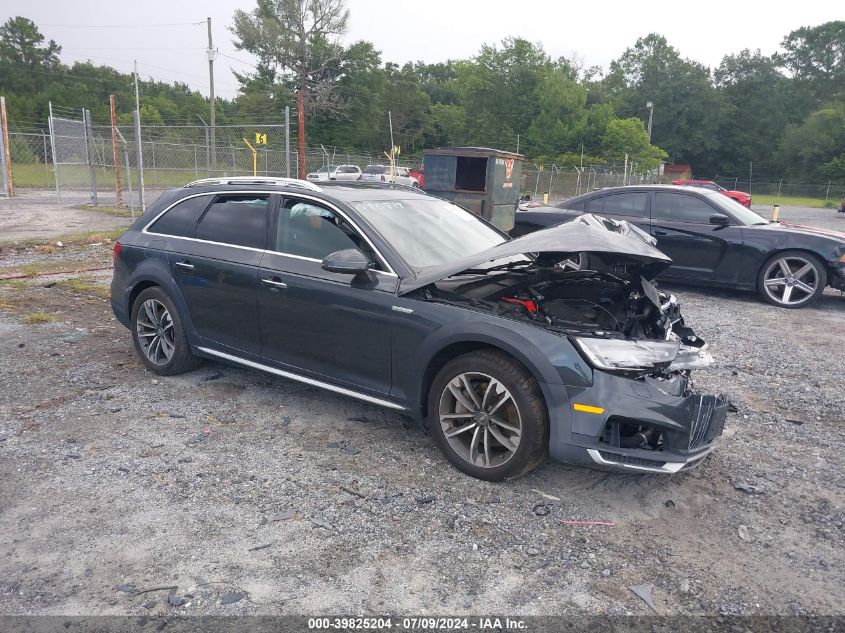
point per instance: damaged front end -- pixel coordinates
(641, 411)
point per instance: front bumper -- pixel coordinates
(837, 276)
(689, 424)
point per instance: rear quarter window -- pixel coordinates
(181, 219)
(240, 220)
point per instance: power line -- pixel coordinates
(119, 26)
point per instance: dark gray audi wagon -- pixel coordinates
(555, 343)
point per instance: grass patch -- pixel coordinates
(48, 245)
(119, 212)
(792, 201)
(17, 284)
(35, 318)
(49, 266)
(84, 286)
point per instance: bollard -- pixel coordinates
(775, 213)
(546, 197)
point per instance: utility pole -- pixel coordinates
(211, 103)
(750, 164)
(139, 152)
(115, 150)
(517, 142)
(287, 141)
(650, 107)
(300, 113)
(7, 155)
(392, 148)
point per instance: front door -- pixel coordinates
(681, 223)
(328, 325)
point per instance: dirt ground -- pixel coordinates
(227, 491)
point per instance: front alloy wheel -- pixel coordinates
(480, 420)
(487, 414)
(792, 279)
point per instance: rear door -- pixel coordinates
(632, 206)
(328, 325)
(681, 223)
(217, 270)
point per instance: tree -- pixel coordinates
(25, 65)
(816, 56)
(758, 103)
(557, 127)
(686, 105)
(814, 148)
(628, 137)
(293, 38)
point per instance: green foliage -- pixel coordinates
(814, 148)
(816, 56)
(784, 112)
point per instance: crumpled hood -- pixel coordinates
(585, 234)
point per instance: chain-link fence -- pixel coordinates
(76, 159)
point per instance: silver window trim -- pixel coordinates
(390, 272)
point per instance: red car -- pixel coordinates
(740, 196)
(419, 174)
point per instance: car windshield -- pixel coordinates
(428, 232)
(743, 215)
(374, 169)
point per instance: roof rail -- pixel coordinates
(255, 180)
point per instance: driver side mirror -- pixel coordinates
(719, 219)
(350, 261)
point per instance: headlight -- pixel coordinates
(618, 354)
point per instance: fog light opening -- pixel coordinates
(623, 433)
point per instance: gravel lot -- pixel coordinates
(246, 493)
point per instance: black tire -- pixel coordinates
(818, 275)
(527, 400)
(181, 360)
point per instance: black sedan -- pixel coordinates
(409, 302)
(714, 241)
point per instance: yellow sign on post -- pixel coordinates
(260, 139)
(254, 157)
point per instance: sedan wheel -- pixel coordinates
(487, 415)
(155, 332)
(480, 419)
(792, 279)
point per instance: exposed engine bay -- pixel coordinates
(608, 299)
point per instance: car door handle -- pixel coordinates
(660, 232)
(274, 281)
(184, 265)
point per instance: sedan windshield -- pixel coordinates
(428, 232)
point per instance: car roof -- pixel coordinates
(686, 188)
(341, 190)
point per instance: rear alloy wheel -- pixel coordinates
(487, 416)
(792, 279)
(159, 335)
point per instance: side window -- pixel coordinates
(238, 219)
(181, 219)
(310, 230)
(681, 208)
(633, 204)
(594, 205)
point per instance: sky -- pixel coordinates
(168, 38)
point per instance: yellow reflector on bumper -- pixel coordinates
(586, 408)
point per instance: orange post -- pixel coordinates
(115, 149)
(10, 189)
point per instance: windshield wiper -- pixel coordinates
(482, 271)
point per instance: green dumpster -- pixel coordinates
(481, 179)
